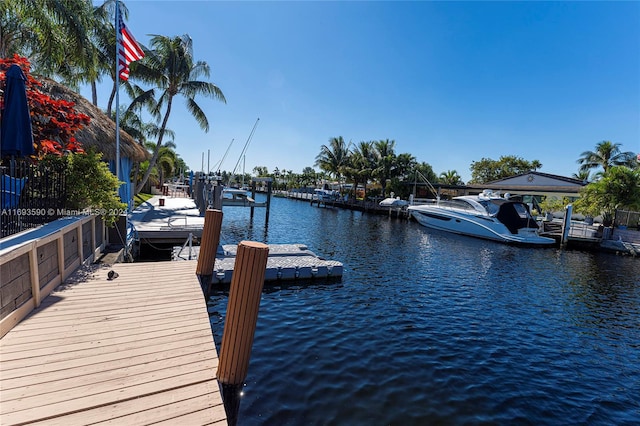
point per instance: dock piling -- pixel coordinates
(208, 248)
(242, 312)
(566, 225)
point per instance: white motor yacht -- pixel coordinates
(487, 215)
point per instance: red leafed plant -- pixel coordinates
(54, 121)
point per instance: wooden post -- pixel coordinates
(197, 193)
(208, 248)
(216, 190)
(35, 274)
(566, 225)
(253, 196)
(266, 217)
(242, 312)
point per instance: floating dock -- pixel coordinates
(286, 262)
(136, 349)
(167, 220)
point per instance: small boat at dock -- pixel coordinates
(239, 197)
(393, 202)
(324, 196)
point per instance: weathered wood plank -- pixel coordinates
(68, 370)
(104, 382)
(40, 407)
(95, 325)
(135, 350)
(79, 335)
(20, 368)
(143, 406)
(184, 412)
(99, 346)
(153, 312)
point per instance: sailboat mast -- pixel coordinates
(244, 157)
(246, 145)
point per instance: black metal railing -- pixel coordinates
(32, 194)
(627, 219)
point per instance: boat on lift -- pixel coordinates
(240, 198)
(487, 215)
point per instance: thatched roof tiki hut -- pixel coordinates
(100, 135)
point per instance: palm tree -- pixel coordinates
(167, 162)
(362, 165)
(171, 68)
(71, 39)
(606, 155)
(333, 157)
(450, 177)
(260, 171)
(166, 165)
(535, 165)
(405, 164)
(583, 175)
(15, 33)
(386, 159)
(619, 188)
(309, 176)
(131, 123)
(49, 32)
(60, 38)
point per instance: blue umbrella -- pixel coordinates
(16, 136)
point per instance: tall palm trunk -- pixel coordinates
(112, 96)
(136, 173)
(94, 93)
(156, 151)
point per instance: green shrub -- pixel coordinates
(92, 187)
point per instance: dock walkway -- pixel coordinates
(137, 349)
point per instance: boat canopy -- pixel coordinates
(515, 216)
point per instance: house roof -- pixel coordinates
(537, 181)
(100, 134)
(534, 178)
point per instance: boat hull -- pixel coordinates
(478, 226)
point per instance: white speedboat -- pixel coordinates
(239, 197)
(325, 195)
(393, 202)
(487, 216)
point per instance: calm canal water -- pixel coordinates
(429, 328)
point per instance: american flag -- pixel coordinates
(128, 49)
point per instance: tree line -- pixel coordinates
(74, 42)
(612, 176)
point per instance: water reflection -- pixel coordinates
(427, 327)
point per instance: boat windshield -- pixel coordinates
(521, 210)
(492, 206)
(456, 204)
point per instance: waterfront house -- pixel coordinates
(534, 185)
(100, 135)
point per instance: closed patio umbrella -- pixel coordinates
(16, 135)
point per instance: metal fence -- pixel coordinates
(626, 219)
(32, 194)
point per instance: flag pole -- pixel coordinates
(118, 43)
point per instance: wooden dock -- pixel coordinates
(134, 350)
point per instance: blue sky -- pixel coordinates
(450, 82)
